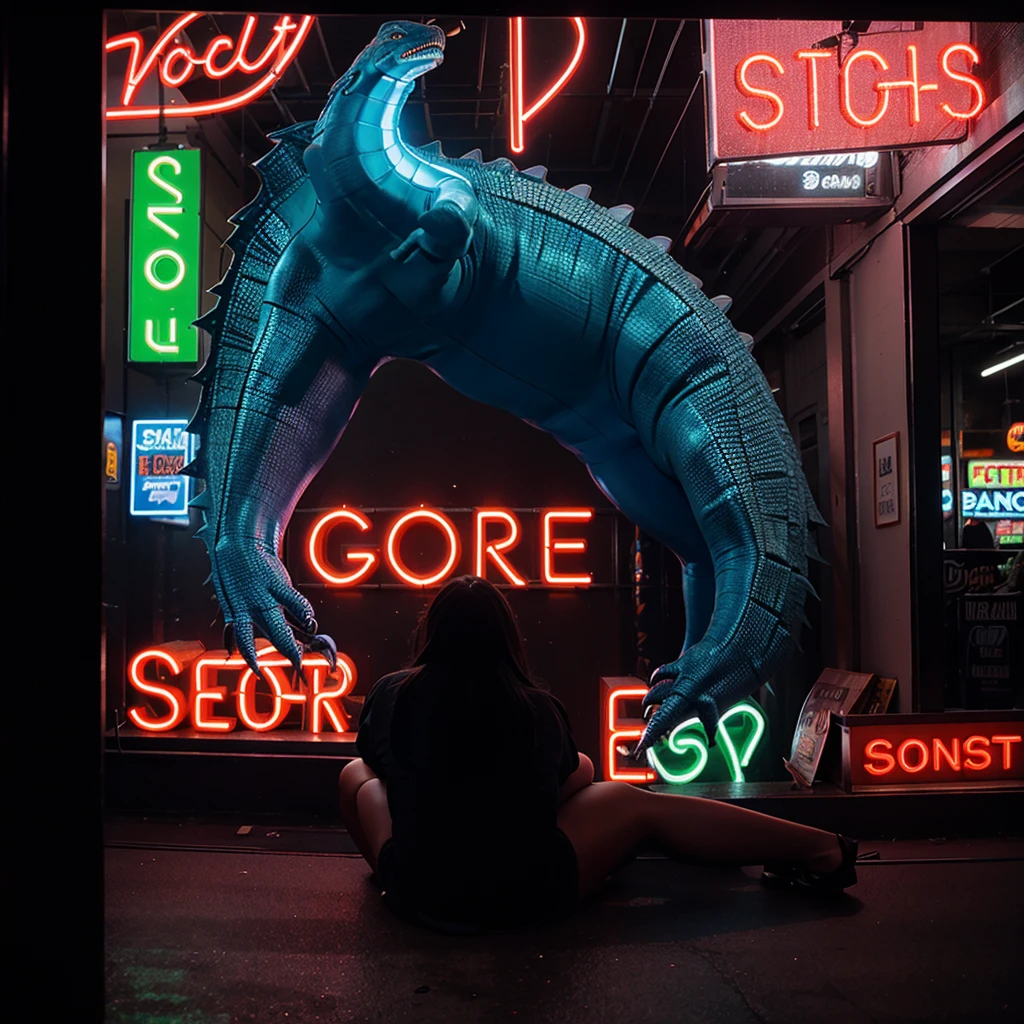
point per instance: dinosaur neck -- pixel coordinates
(368, 161)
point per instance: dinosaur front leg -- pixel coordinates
(271, 427)
(444, 232)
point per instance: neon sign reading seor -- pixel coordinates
(184, 681)
(176, 62)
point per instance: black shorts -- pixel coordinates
(553, 898)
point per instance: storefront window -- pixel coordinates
(982, 381)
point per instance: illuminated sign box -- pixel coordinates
(163, 297)
(160, 450)
(1001, 473)
(956, 750)
(781, 88)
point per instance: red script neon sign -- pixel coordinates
(175, 62)
(517, 115)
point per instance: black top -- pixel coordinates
(472, 784)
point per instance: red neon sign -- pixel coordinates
(191, 685)
(621, 730)
(516, 74)
(773, 91)
(966, 753)
(175, 63)
(491, 556)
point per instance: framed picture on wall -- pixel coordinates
(887, 480)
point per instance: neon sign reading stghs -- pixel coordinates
(774, 90)
(225, 60)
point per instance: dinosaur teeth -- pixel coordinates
(623, 214)
(662, 241)
(583, 191)
(473, 154)
(697, 282)
(540, 172)
(723, 302)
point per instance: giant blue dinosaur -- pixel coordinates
(360, 248)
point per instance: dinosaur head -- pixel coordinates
(404, 50)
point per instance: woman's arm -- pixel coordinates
(582, 777)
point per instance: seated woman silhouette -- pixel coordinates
(475, 811)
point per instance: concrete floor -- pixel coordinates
(221, 937)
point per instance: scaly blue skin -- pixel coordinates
(360, 248)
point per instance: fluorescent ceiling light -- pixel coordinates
(1012, 361)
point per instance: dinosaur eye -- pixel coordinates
(397, 35)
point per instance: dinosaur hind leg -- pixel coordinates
(743, 481)
(658, 505)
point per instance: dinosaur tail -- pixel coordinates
(262, 231)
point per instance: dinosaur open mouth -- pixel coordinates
(422, 49)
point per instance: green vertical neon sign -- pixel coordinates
(163, 295)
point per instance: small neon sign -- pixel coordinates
(224, 59)
(684, 755)
(160, 449)
(163, 297)
(180, 682)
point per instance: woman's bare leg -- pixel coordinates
(365, 815)
(607, 821)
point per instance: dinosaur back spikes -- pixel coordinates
(623, 214)
(747, 340)
(473, 154)
(539, 171)
(583, 191)
(433, 149)
(696, 281)
(662, 241)
(723, 302)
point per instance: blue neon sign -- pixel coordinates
(160, 449)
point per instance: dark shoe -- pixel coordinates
(802, 879)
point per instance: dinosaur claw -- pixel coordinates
(323, 644)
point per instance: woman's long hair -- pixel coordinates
(470, 633)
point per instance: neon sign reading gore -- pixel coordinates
(422, 547)
(225, 60)
(775, 90)
(181, 680)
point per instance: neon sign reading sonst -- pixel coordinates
(774, 90)
(225, 60)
